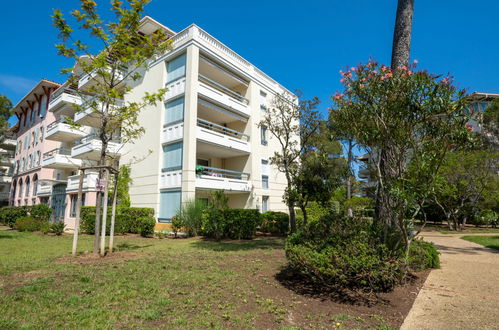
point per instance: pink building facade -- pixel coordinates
(44, 171)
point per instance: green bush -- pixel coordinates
(190, 216)
(276, 223)
(41, 212)
(57, 227)
(338, 252)
(315, 211)
(9, 214)
(423, 255)
(28, 223)
(146, 226)
(126, 220)
(123, 224)
(485, 218)
(230, 223)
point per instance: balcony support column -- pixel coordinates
(190, 125)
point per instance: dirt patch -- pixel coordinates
(93, 259)
(291, 301)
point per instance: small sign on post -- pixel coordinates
(100, 184)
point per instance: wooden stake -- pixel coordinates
(113, 213)
(104, 216)
(78, 212)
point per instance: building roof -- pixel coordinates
(480, 96)
(38, 90)
(149, 25)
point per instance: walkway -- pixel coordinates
(464, 293)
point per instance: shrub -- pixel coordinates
(146, 226)
(28, 223)
(484, 218)
(41, 212)
(241, 223)
(126, 220)
(177, 225)
(276, 223)
(423, 255)
(190, 216)
(213, 223)
(87, 223)
(123, 224)
(315, 211)
(337, 251)
(57, 227)
(9, 214)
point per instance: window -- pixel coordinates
(37, 134)
(33, 138)
(169, 203)
(43, 107)
(23, 164)
(27, 187)
(263, 135)
(175, 68)
(32, 117)
(174, 111)
(265, 174)
(263, 101)
(172, 157)
(265, 204)
(41, 134)
(35, 185)
(30, 162)
(20, 189)
(34, 159)
(203, 162)
(74, 203)
(38, 158)
(25, 141)
(29, 141)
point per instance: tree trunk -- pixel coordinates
(349, 179)
(402, 33)
(292, 219)
(104, 216)
(98, 202)
(305, 215)
(78, 213)
(113, 214)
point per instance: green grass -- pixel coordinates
(487, 241)
(444, 229)
(151, 283)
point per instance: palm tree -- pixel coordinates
(402, 33)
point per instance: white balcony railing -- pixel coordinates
(89, 117)
(89, 182)
(59, 130)
(90, 146)
(44, 189)
(175, 88)
(222, 136)
(88, 80)
(63, 102)
(171, 179)
(60, 158)
(210, 178)
(172, 133)
(223, 99)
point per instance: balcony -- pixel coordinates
(172, 133)
(60, 158)
(364, 173)
(90, 146)
(236, 142)
(171, 179)
(91, 79)
(4, 178)
(8, 143)
(175, 88)
(210, 178)
(6, 160)
(89, 182)
(63, 102)
(59, 130)
(223, 96)
(88, 117)
(44, 188)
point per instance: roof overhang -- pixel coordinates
(36, 92)
(148, 25)
(485, 97)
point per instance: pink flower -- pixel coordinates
(361, 86)
(375, 72)
(416, 61)
(338, 96)
(353, 69)
(409, 72)
(364, 79)
(382, 78)
(342, 80)
(384, 68)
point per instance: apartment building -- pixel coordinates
(7, 151)
(204, 136)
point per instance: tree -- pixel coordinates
(5, 113)
(465, 179)
(418, 117)
(401, 49)
(125, 54)
(123, 186)
(490, 124)
(293, 124)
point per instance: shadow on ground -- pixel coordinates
(4, 235)
(130, 247)
(466, 250)
(293, 281)
(240, 245)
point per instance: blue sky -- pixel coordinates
(301, 44)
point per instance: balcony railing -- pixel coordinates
(221, 129)
(58, 93)
(223, 89)
(57, 151)
(221, 173)
(91, 137)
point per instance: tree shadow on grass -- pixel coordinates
(240, 245)
(297, 283)
(125, 246)
(5, 236)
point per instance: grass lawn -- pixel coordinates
(444, 229)
(487, 241)
(167, 283)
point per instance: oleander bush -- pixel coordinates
(276, 223)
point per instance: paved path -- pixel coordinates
(464, 293)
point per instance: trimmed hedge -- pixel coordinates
(9, 214)
(28, 223)
(230, 223)
(276, 223)
(146, 226)
(128, 220)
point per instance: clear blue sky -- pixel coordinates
(301, 44)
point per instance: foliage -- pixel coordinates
(9, 214)
(126, 220)
(5, 113)
(276, 223)
(146, 226)
(177, 225)
(485, 218)
(407, 121)
(189, 216)
(230, 223)
(490, 122)
(423, 255)
(28, 223)
(124, 181)
(41, 212)
(342, 252)
(465, 179)
(218, 200)
(57, 227)
(292, 124)
(358, 204)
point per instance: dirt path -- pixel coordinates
(464, 293)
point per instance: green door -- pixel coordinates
(58, 201)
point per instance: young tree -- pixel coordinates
(293, 124)
(123, 186)
(490, 124)
(418, 116)
(125, 54)
(5, 113)
(465, 178)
